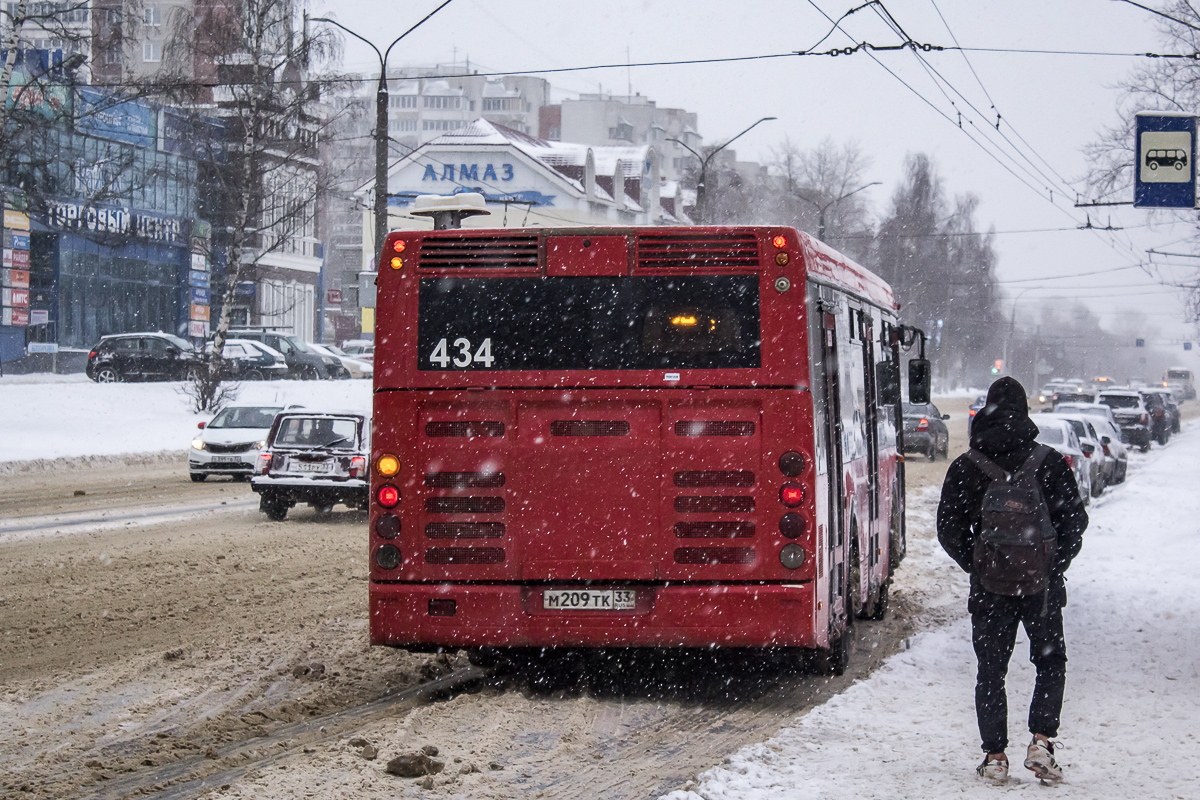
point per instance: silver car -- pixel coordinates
(230, 443)
(1059, 434)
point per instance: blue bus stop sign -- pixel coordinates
(1165, 173)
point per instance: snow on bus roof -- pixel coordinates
(825, 262)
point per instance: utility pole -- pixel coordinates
(381, 123)
(701, 182)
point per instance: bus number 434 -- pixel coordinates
(462, 354)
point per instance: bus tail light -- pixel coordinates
(387, 557)
(791, 495)
(780, 241)
(387, 465)
(792, 525)
(263, 464)
(387, 526)
(792, 556)
(791, 464)
(358, 466)
(388, 496)
(923, 425)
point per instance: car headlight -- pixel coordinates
(329, 361)
(198, 444)
(260, 445)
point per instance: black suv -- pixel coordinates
(302, 361)
(141, 357)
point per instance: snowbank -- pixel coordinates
(1133, 684)
(60, 419)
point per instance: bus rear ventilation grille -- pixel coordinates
(714, 530)
(464, 530)
(689, 504)
(464, 505)
(479, 252)
(704, 427)
(714, 555)
(589, 427)
(685, 250)
(464, 555)
(464, 480)
(466, 429)
(709, 477)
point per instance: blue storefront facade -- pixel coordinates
(114, 243)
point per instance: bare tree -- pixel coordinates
(249, 64)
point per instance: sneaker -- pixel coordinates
(1039, 760)
(993, 769)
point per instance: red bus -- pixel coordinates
(632, 437)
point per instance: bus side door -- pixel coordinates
(836, 541)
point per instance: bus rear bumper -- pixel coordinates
(506, 615)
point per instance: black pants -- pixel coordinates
(994, 620)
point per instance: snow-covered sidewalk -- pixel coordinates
(66, 416)
(1133, 683)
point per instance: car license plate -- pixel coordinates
(589, 599)
(225, 460)
(312, 466)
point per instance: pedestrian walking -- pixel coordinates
(1011, 516)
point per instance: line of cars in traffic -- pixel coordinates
(290, 454)
(1094, 425)
(248, 354)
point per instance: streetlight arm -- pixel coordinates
(685, 147)
(337, 24)
(410, 30)
(734, 139)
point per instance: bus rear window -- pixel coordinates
(560, 323)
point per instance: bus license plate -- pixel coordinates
(589, 599)
(319, 466)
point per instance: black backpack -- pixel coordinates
(1017, 544)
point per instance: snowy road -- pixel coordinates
(1133, 690)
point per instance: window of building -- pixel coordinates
(440, 102)
(623, 132)
(554, 134)
(441, 124)
(402, 125)
(153, 16)
(402, 101)
(151, 52)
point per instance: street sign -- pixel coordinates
(20, 241)
(199, 313)
(198, 329)
(1165, 172)
(198, 279)
(200, 296)
(333, 297)
(41, 347)
(39, 316)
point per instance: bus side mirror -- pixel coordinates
(887, 378)
(918, 381)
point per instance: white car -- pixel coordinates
(1102, 466)
(362, 349)
(356, 367)
(1059, 434)
(230, 443)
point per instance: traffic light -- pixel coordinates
(997, 366)
(1139, 342)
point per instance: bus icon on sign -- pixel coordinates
(1166, 158)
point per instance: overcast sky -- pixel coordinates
(1056, 103)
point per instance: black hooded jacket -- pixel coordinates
(1003, 432)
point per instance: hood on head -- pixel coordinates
(1003, 424)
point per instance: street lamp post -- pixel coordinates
(823, 208)
(381, 123)
(701, 182)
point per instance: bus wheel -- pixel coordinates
(836, 659)
(880, 607)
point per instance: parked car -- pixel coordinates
(363, 349)
(1162, 421)
(1059, 434)
(1094, 410)
(141, 357)
(1172, 398)
(1101, 466)
(1130, 413)
(924, 430)
(230, 443)
(248, 360)
(974, 409)
(355, 368)
(302, 361)
(1110, 439)
(318, 458)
